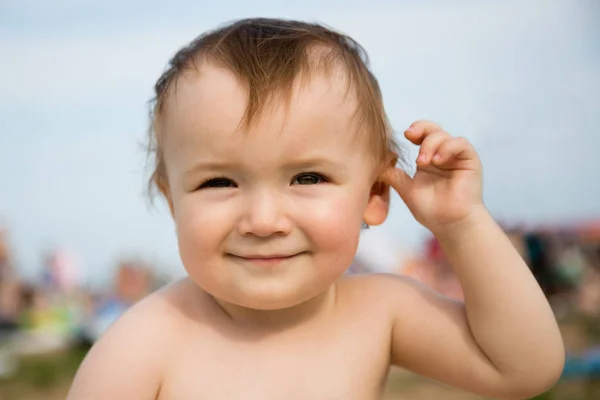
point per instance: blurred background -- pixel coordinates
(79, 242)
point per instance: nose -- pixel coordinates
(265, 215)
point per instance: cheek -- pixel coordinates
(196, 216)
(334, 228)
(200, 230)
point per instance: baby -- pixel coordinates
(272, 150)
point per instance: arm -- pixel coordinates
(504, 341)
(507, 311)
(125, 363)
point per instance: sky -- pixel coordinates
(520, 80)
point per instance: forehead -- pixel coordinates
(205, 110)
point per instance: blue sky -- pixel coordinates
(519, 79)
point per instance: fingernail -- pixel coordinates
(422, 158)
(437, 157)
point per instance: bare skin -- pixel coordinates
(266, 312)
(192, 349)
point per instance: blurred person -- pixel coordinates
(60, 272)
(9, 307)
(272, 150)
(51, 308)
(434, 270)
(9, 285)
(132, 282)
(10, 289)
(587, 295)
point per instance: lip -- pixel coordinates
(266, 260)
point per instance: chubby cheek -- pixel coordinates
(200, 235)
(334, 229)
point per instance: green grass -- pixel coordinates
(41, 374)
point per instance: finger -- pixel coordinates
(398, 179)
(417, 132)
(454, 149)
(430, 146)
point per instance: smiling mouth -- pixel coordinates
(266, 259)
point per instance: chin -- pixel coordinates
(271, 300)
(267, 297)
(267, 294)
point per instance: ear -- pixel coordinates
(378, 205)
(379, 198)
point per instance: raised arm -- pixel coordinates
(504, 340)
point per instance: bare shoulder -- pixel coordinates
(411, 305)
(131, 353)
(380, 286)
(383, 298)
(411, 309)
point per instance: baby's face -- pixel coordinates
(269, 217)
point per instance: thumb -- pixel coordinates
(399, 180)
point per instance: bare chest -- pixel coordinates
(348, 366)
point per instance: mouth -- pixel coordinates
(266, 259)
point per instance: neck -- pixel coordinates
(277, 320)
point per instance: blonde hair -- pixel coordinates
(268, 56)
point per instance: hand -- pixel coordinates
(446, 187)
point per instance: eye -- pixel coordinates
(309, 178)
(217, 183)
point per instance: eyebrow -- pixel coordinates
(314, 162)
(211, 165)
(294, 164)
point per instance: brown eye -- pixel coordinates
(309, 179)
(217, 183)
